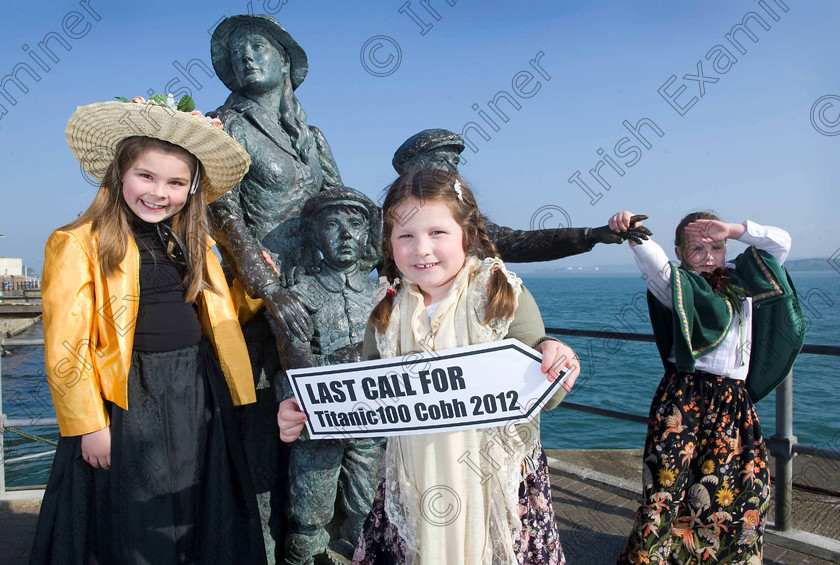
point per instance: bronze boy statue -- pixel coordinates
(346, 228)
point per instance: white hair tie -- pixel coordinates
(458, 191)
(385, 287)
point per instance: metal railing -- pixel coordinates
(782, 445)
(21, 294)
(13, 425)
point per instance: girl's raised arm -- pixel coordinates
(773, 240)
(650, 258)
(656, 270)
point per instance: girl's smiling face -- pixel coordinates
(157, 185)
(428, 246)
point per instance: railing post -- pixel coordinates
(2, 428)
(2, 451)
(781, 447)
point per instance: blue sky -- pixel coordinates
(748, 147)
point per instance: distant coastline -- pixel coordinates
(810, 265)
(564, 267)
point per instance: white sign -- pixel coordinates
(478, 386)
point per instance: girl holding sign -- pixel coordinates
(470, 496)
(728, 333)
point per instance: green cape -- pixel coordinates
(701, 319)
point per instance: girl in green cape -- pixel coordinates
(728, 333)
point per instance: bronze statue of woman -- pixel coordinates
(290, 161)
(262, 65)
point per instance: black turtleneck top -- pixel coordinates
(164, 321)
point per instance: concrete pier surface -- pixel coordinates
(10, 327)
(595, 495)
(18, 305)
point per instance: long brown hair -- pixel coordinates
(423, 185)
(110, 216)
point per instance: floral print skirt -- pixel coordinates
(706, 481)
(538, 543)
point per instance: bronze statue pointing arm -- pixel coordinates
(440, 149)
(523, 246)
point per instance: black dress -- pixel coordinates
(179, 489)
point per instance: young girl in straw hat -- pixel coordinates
(144, 354)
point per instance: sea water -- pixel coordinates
(623, 375)
(616, 374)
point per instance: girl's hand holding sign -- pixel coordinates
(557, 356)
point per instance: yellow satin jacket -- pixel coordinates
(89, 329)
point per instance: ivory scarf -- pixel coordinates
(453, 496)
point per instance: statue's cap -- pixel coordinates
(220, 47)
(343, 196)
(424, 142)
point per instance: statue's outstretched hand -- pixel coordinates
(603, 234)
(287, 311)
(635, 233)
(629, 226)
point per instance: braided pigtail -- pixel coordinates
(381, 315)
(501, 303)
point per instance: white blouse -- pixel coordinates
(732, 357)
(431, 308)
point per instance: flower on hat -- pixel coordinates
(184, 104)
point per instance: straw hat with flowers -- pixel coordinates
(94, 131)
